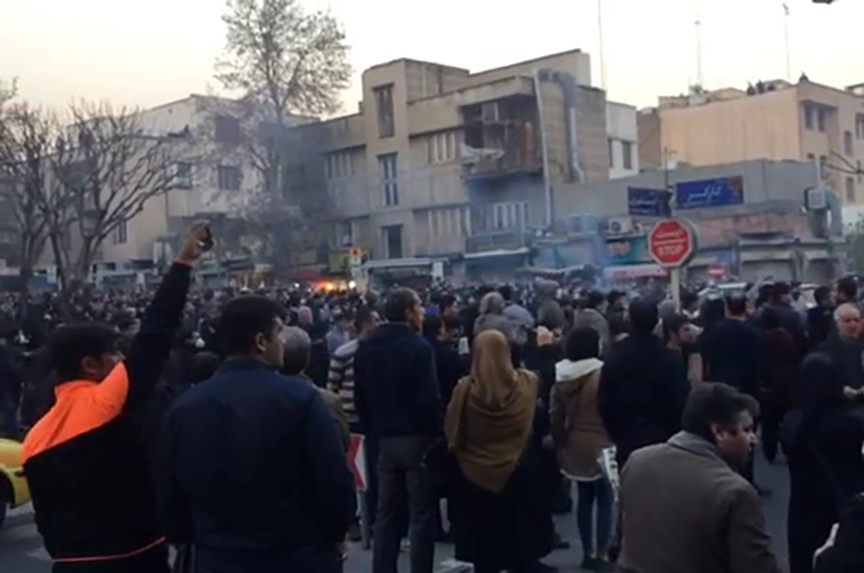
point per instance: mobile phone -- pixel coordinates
(207, 242)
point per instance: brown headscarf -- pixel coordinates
(489, 419)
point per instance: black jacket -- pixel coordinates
(848, 356)
(733, 354)
(86, 459)
(396, 386)
(643, 388)
(253, 460)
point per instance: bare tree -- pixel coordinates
(27, 135)
(8, 91)
(284, 58)
(284, 61)
(104, 171)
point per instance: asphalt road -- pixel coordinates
(21, 547)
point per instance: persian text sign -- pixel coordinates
(718, 192)
(672, 243)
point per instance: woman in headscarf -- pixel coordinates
(502, 518)
(580, 438)
(822, 440)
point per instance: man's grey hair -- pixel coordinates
(298, 346)
(844, 307)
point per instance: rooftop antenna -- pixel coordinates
(698, 26)
(602, 50)
(786, 16)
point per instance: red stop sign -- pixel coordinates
(672, 243)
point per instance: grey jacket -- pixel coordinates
(685, 510)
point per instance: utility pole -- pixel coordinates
(601, 47)
(786, 39)
(698, 26)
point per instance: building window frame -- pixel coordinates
(611, 144)
(627, 154)
(850, 190)
(384, 110)
(807, 110)
(183, 175)
(229, 177)
(388, 171)
(823, 167)
(848, 143)
(120, 234)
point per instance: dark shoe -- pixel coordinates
(355, 533)
(603, 566)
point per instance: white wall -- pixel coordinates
(622, 131)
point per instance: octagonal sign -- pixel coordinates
(672, 243)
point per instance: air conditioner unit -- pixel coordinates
(816, 199)
(619, 225)
(489, 112)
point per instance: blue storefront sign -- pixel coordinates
(648, 202)
(627, 251)
(710, 193)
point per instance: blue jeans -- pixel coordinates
(594, 494)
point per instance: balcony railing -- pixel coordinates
(487, 165)
(496, 240)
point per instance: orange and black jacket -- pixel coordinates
(86, 459)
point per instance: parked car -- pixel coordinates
(13, 487)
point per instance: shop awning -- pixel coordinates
(624, 272)
(765, 256)
(384, 264)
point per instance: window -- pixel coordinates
(120, 234)
(447, 222)
(345, 234)
(384, 107)
(388, 171)
(627, 152)
(229, 178)
(823, 167)
(821, 118)
(808, 116)
(611, 143)
(392, 238)
(510, 215)
(183, 175)
(850, 190)
(338, 165)
(847, 143)
(859, 125)
(442, 147)
(227, 129)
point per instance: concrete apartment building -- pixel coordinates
(441, 161)
(771, 120)
(217, 181)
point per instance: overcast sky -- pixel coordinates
(147, 53)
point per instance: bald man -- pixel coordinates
(298, 349)
(846, 349)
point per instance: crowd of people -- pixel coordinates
(218, 422)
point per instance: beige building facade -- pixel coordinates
(439, 161)
(772, 120)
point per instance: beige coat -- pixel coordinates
(686, 511)
(577, 429)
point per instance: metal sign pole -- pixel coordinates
(675, 285)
